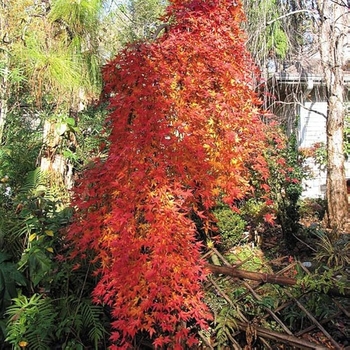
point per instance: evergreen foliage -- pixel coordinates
(287, 173)
(231, 226)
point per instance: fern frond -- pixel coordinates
(37, 185)
(34, 180)
(91, 315)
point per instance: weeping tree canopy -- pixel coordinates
(186, 133)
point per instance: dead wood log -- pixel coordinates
(254, 276)
(267, 278)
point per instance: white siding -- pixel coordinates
(315, 186)
(312, 129)
(312, 126)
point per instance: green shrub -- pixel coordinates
(31, 322)
(313, 208)
(231, 226)
(254, 210)
(286, 176)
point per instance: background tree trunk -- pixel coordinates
(3, 102)
(4, 59)
(332, 32)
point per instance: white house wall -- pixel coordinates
(312, 130)
(312, 126)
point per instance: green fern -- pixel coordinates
(226, 314)
(91, 316)
(82, 319)
(225, 323)
(36, 185)
(10, 280)
(33, 180)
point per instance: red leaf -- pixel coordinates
(269, 218)
(191, 341)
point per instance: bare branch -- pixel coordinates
(311, 110)
(296, 102)
(164, 26)
(286, 15)
(342, 3)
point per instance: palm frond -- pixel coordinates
(83, 319)
(34, 183)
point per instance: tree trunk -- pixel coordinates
(332, 32)
(3, 102)
(5, 73)
(52, 160)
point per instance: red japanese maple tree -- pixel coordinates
(185, 132)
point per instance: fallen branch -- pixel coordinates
(255, 276)
(268, 278)
(283, 338)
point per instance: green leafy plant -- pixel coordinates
(253, 211)
(287, 173)
(10, 279)
(32, 212)
(323, 281)
(312, 208)
(316, 300)
(225, 323)
(91, 320)
(21, 129)
(231, 226)
(294, 318)
(80, 320)
(226, 311)
(41, 214)
(249, 258)
(31, 322)
(230, 303)
(92, 136)
(320, 154)
(333, 254)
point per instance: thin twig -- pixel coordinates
(286, 15)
